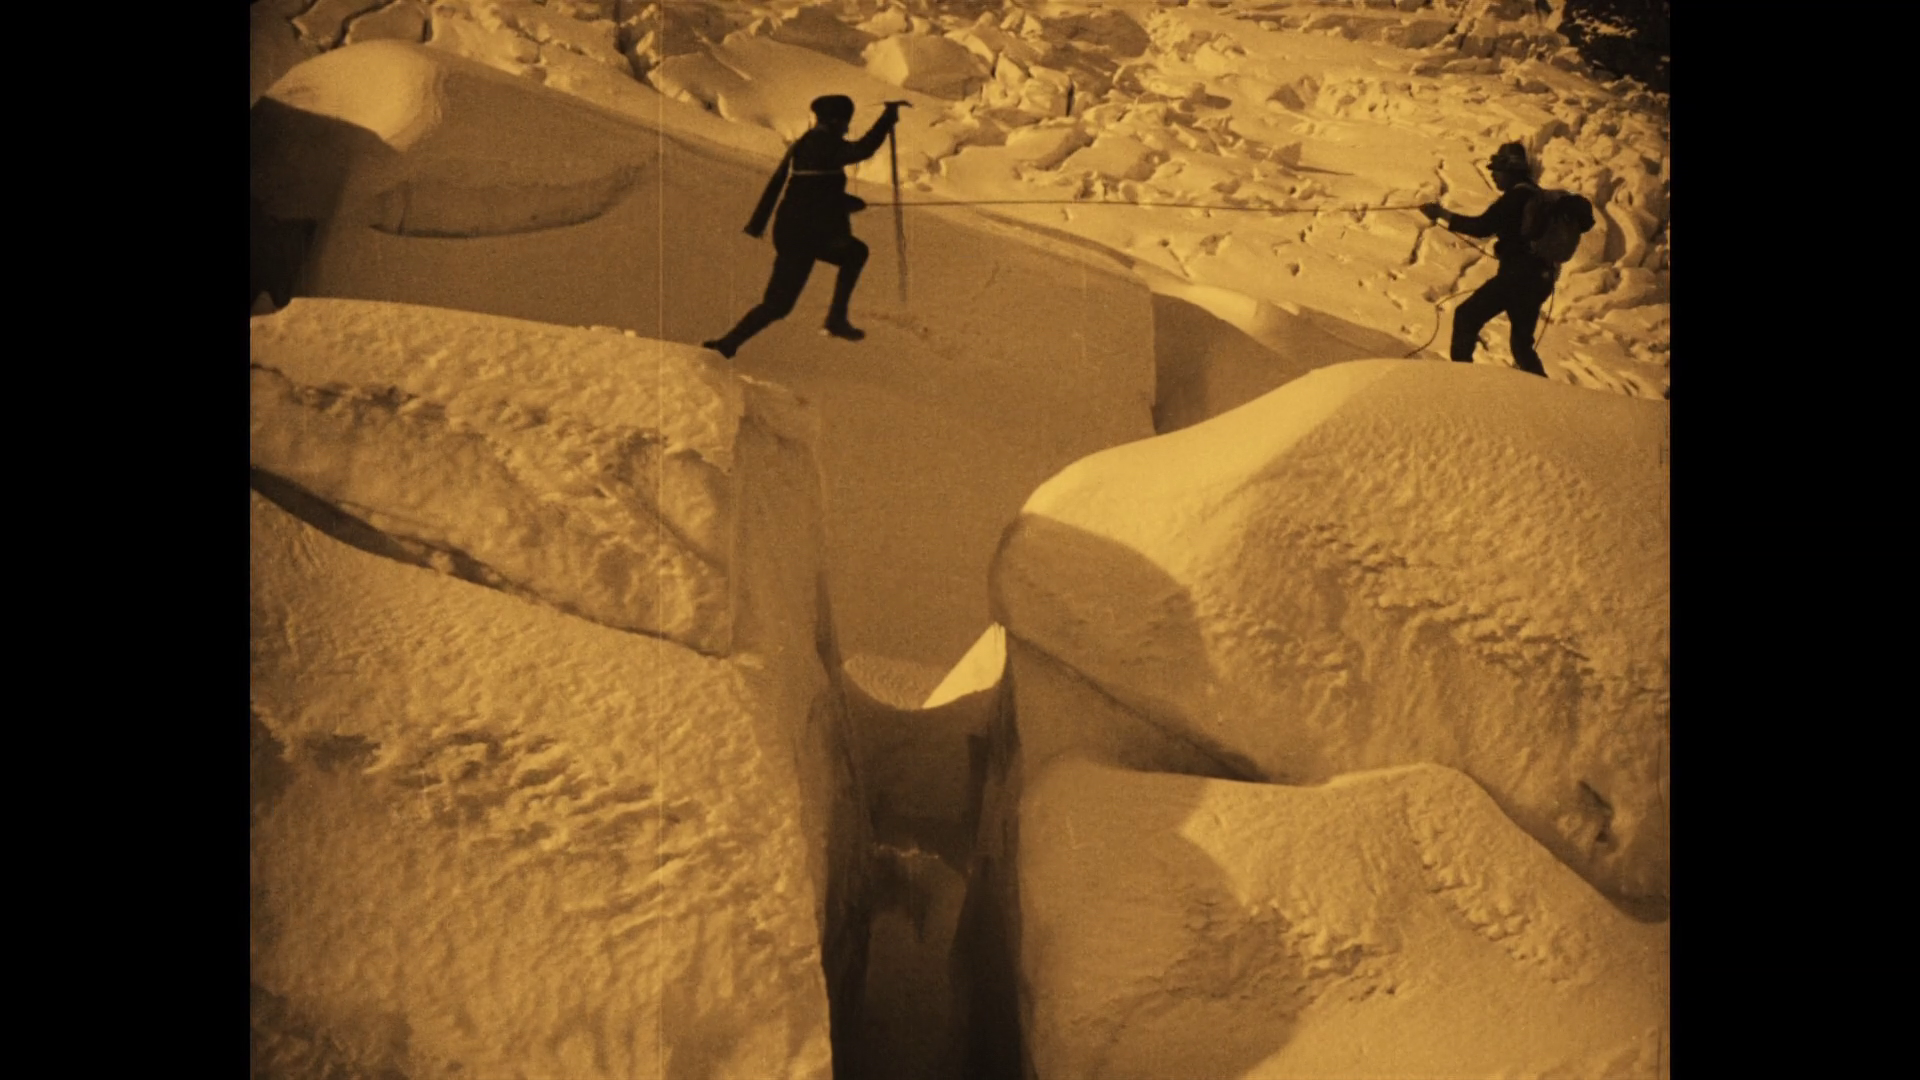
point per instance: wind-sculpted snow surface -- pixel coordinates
(493, 840)
(1380, 563)
(591, 470)
(496, 832)
(1386, 924)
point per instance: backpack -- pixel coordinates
(1553, 222)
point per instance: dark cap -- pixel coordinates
(1511, 157)
(833, 107)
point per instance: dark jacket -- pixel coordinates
(1502, 220)
(817, 209)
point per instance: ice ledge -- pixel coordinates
(590, 470)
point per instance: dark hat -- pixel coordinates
(1511, 156)
(833, 107)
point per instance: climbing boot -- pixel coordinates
(843, 285)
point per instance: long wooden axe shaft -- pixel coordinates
(899, 222)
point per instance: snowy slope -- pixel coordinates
(1280, 114)
(1020, 353)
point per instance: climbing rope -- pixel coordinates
(1162, 205)
(1539, 336)
(1471, 244)
(1417, 349)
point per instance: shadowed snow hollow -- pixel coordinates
(369, 137)
(1381, 563)
(1385, 924)
(492, 837)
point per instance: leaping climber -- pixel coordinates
(1538, 230)
(815, 219)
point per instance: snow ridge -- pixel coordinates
(501, 479)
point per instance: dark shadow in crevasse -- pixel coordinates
(992, 1000)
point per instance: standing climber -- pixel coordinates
(815, 219)
(1531, 245)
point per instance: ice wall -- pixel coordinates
(511, 820)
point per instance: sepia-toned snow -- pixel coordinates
(1143, 655)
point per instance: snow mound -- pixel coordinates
(406, 20)
(931, 65)
(593, 471)
(274, 47)
(1044, 147)
(664, 846)
(817, 29)
(1113, 157)
(1388, 923)
(360, 136)
(1217, 349)
(492, 840)
(1412, 30)
(327, 21)
(762, 82)
(1380, 563)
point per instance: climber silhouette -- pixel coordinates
(1524, 280)
(815, 220)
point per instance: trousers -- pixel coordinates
(1519, 297)
(791, 268)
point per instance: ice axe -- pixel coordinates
(899, 223)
